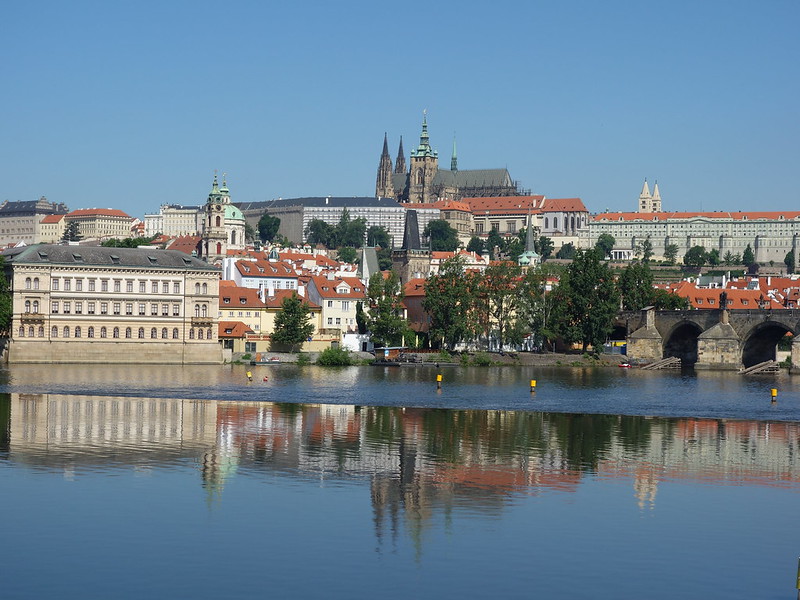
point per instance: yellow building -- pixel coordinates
(111, 305)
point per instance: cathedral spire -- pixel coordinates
(454, 160)
(400, 165)
(384, 187)
(215, 186)
(424, 148)
(645, 190)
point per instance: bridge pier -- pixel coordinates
(795, 368)
(646, 343)
(719, 348)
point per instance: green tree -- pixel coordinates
(567, 251)
(789, 261)
(536, 304)
(500, 298)
(293, 323)
(664, 300)
(586, 300)
(696, 256)
(728, 258)
(6, 304)
(671, 253)
(713, 257)
(442, 236)
(635, 285)
(249, 232)
(544, 246)
(450, 304)
(494, 243)
(378, 236)
(645, 249)
(384, 258)
(319, 232)
(127, 242)
(268, 227)
(348, 254)
(605, 244)
(748, 258)
(385, 318)
(349, 232)
(72, 233)
(475, 245)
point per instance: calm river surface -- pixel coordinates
(365, 482)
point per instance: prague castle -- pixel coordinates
(423, 182)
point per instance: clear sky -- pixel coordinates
(134, 104)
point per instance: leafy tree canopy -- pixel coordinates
(268, 227)
(442, 236)
(605, 244)
(696, 256)
(293, 322)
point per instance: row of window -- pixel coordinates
(66, 307)
(116, 285)
(115, 332)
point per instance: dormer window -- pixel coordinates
(243, 300)
(226, 300)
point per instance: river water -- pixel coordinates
(195, 482)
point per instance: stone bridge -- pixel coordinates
(709, 339)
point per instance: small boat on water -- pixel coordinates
(263, 360)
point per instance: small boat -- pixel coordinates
(625, 365)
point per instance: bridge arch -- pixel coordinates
(682, 342)
(762, 342)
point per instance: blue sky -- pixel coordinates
(134, 104)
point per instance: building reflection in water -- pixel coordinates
(418, 462)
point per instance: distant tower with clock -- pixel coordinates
(223, 224)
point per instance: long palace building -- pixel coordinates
(111, 305)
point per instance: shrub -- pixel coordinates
(334, 357)
(465, 360)
(246, 356)
(482, 360)
(303, 359)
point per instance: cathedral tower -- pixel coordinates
(424, 166)
(384, 188)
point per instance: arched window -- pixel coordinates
(102, 332)
(27, 306)
(115, 333)
(36, 306)
(199, 334)
(153, 333)
(27, 283)
(204, 310)
(175, 334)
(196, 310)
(555, 222)
(141, 333)
(164, 334)
(36, 283)
(191, 334)
(30, 331)
(196, 288)
(546, 224)
(419, 177)
(219, 248)
(77, 332)
(128, 333)
(219, 220)
(90, 332)
(41, 330)
(54, 332)
(21, 331)
(205, 288)
(233, 237)
(66, 331)
(208, 334)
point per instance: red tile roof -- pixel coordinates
(233, 329)
(233, 295)
(327, 288)
(186, 244)
(276, 301)
(265, 268)
(98, 212)
(52, 219)
(663, 216)
(563, 205)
